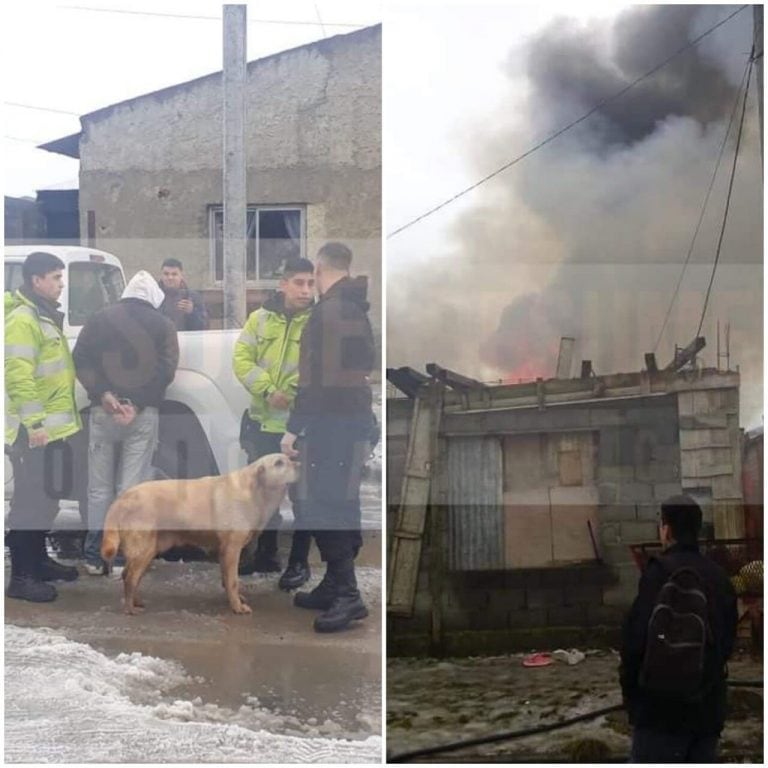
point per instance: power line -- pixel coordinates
(705, 203)
(567, 127)
(23, 141)
(728, 198)
(41, 109)
(320, 21)
(204, 18)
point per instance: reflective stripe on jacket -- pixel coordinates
(39, 372)
(266, 359)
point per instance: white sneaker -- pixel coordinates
(571, 657)
(94, 570)
(116, 571)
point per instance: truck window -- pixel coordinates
(13, 277)
(92, 287)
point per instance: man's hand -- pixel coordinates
(110, 403)
(122, 413)
(286, 445)
(126, 415)
(279, 400)
(185, 305)
(38, 438)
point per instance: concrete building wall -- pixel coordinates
(638, 462)
(151, 168)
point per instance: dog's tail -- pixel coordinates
(111, 540)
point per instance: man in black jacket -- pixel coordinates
(670, 728)
(183, 306)
(333, 412)
(125, 358)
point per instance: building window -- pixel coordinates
(275, 233)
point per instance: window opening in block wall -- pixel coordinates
(274, 234)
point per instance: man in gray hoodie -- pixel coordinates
(125, 358)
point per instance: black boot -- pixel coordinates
(296, 574)
(347, 605)
(320, 598)
(25, 584)
(47, 568)
(265, 559)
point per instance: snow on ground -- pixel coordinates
(67, 702)
(432, 702)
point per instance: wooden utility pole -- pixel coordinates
(757, 44)
(234, 77)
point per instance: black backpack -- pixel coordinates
(680, 655)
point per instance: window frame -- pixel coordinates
(268, 283)
(77, 267)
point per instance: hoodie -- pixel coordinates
(336, 357)
(143, 286)
(129, 348)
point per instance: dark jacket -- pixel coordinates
(48, 308)
(704, 718)
(129, 349)
(197, 320)
(336, 356)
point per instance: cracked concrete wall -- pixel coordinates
(151, 168)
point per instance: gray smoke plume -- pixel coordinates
(587, 236)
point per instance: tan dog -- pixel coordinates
(211, 512)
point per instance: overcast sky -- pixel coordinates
(77, 61)
(444, 75)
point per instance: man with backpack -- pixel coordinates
(677, 638)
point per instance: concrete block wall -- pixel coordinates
(638, 465)
(512, 606)
(711, 448)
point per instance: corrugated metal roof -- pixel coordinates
(475, 511)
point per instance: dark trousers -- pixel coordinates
(333, 455)
(41, 477)
(652, 746)
(256, 444)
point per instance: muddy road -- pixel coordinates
(432, 702)
(188, 681)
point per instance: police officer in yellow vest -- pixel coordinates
(266, 362)
(40, 416)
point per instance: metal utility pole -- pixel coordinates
(234, 76)
(757, 44)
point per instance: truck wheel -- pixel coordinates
(183, 451)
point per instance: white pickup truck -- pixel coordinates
(200, 418)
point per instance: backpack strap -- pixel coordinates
(670, 566)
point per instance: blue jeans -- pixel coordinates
(651, 746)
(138, 441)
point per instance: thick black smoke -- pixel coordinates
(587, 236)
(573, 69)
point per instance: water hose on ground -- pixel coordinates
(404, 757)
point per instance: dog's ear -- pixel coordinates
(257, 479)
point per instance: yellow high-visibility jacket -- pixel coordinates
(266, 359)
(39, 372)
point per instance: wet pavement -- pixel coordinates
(268, 674)
(434, 702)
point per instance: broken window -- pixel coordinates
(274, 234)
(91, 288)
